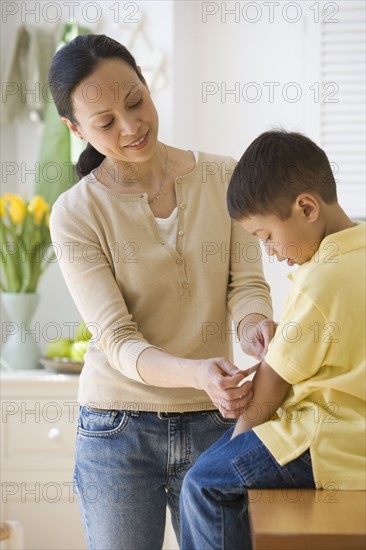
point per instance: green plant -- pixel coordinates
(25, 242)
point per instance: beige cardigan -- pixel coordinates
(129, 285)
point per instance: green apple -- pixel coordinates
(59, 348)
(82, 333)
(78, 350)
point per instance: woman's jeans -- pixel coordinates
(214, 495)
(130, 465)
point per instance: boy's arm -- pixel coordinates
(270, 391)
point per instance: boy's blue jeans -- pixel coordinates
(214, 513)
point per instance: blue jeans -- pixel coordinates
(130, 466)
(214, 512)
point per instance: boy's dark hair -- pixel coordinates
(276, 168)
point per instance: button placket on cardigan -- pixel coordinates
(181, 214)
(176, 254)
(182, 205)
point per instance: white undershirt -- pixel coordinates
(168, 227)
(168, 230)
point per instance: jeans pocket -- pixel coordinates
(101, 423)
(306, 457)
(220, 421)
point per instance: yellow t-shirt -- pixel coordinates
(319, 348)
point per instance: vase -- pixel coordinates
(19, 349)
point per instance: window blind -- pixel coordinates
(342, 102)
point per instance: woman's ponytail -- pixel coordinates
(89, 159)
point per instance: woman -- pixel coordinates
(153, 264)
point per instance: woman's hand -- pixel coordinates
(220, 379)
(255, 333)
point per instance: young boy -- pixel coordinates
(305, 426)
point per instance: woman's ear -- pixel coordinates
(72, 127)
(308, 206)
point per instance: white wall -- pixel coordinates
(228, 55)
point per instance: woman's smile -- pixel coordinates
(139, 143)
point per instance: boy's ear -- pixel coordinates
(72, 127)
(308, 206)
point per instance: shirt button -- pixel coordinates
(179, 261)
(181, 233)
(185, 285)
(179, 180)
(182, 205)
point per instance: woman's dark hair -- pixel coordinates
(71, 65)
(276, 168)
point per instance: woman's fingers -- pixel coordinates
(227, 367)
(233, 409)
(223, 382)
(232, 402)
(252, 369)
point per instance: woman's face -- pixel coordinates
(115, 113)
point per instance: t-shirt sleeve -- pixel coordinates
(90, 280)
(300, 345)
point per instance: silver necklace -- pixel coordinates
(157, 196)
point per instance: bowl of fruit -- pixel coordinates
(66, 355)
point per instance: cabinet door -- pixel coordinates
(47, 509)
(38, 434)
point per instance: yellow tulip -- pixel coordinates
(20, 273)
(17, 209)
(39, 207)
(2, 207)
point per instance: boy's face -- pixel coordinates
(293, 240)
